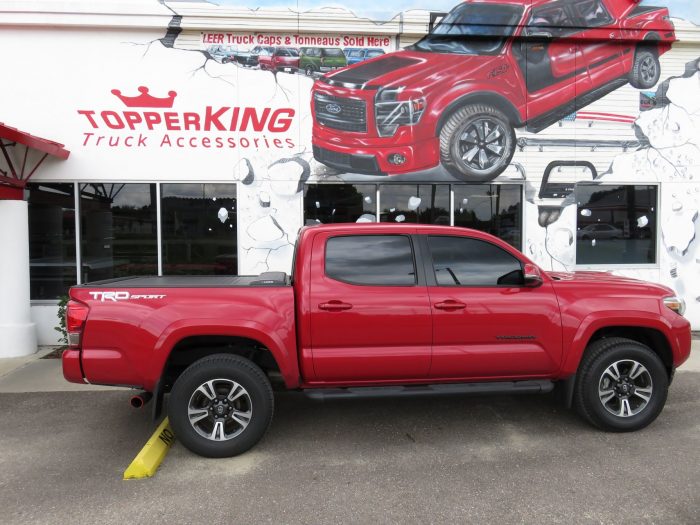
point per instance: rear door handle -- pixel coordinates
(450, 305)
(335, 306)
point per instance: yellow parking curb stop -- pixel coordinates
(152, 454)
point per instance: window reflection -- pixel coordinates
(199, 229)
(118, 229)
(379, 260)
(491, 208)
(332, 203)
(459, 261)
(416, 203)
(51, 240)
(616, 224)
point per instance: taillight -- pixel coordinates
(76, 315)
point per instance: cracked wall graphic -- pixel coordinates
(670, 156)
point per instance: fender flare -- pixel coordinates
(604, 319)
(246, 328)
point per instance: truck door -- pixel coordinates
(486, 323)
(601, 41)
(370, 313)
(550, 58)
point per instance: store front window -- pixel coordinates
(199, 229)
(52, 237)
(491, 208)
(118, 230)
(331, 203)
(616, 224)
(415, 203)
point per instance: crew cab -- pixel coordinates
(490, 66)
(378, 309)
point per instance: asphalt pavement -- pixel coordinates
(496, 459)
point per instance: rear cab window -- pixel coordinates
(371, 260)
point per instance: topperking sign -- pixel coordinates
(144, 120)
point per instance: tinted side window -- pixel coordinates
(593, 13)
(378, 260)
(460, 261)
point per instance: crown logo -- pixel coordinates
(144, 100)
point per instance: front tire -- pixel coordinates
(477, 143)
(221, 406)
(622, 385)
(646, 70)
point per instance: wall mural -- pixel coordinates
(555, 94)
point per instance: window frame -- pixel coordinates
(76, 218)
(625, 266)
(519, 183)
(417, 281)
(79, 214)
(78, 233)
(566, 31)
(607, 23)
(432, 274)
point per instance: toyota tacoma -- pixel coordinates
(373, 310)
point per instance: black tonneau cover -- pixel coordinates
(275, 279)
(641, 9)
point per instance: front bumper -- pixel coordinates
(374, 159)
(683, 339)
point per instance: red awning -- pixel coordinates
(22, 154)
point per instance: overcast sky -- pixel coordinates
(386, 9)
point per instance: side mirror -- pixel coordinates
(532, 276)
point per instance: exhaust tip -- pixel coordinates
(140, 400)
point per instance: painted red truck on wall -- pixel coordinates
(456, 96)
(372, 310)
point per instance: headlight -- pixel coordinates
(390, 113)
(676, 304)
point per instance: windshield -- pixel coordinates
(473, 29)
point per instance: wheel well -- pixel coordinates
(191, 349)
(492, 99)
(651, 42)
(650, 337)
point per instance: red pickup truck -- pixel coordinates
(371, 310)
(490, 66)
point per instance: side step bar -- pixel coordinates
(541, 123)
(506, 387)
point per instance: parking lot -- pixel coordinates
(437, 460)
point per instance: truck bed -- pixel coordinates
(269, 279)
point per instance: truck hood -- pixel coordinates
(602, 279)
(414, 69)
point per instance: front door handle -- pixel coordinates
(450, 305)
(335, 306)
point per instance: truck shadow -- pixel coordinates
(455, 421)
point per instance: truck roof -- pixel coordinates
(424, 228)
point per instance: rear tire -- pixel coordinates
(646, 70)
(629, 402)
(221, 406)
(477, 143)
